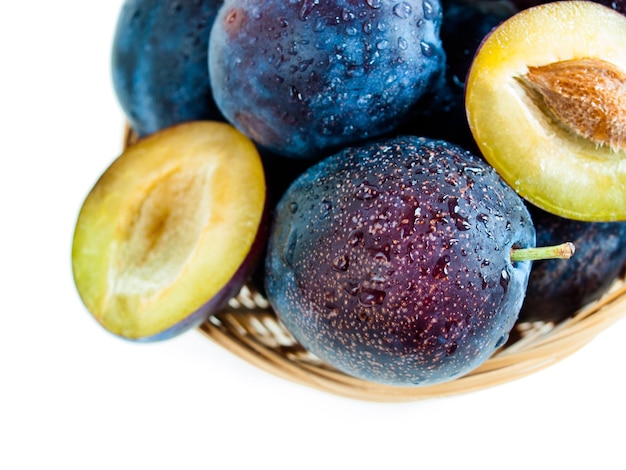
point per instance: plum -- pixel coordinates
(159, 62)
(557, 289)
(546, 103)
(441, 113)
(391, 260)
(171, 230)
(305, 78)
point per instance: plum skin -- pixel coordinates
(303, 79)
(158, 62)
(390, 261)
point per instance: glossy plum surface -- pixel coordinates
(303, 78)
(171, 231)
(391, 260)
(159, 62)
(441, 114)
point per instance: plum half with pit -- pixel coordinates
(303, 79)
(171, 231)
(546, 103)
(392, 260)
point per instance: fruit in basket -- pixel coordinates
(170, 231)
(546, 101)
(159, 62)
(392, 260)
(559, 288)
(303, 78)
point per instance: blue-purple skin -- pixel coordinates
(442, 115)
(391, 261)
(159, 62)
(305, 78)
(557, 289)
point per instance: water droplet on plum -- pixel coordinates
(371, 297)
(402, 10)
(341, 263)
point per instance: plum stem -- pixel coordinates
(563, 251)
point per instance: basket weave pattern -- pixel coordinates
(250, 329)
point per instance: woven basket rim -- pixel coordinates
(249, 329)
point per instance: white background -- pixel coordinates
(74, 397)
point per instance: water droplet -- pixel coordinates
(382, 45)
(374, 3)
(462, 223)
(402, 44)
(371, 297)
(355, 238)
(347, 15)
(427, 49)
(307, 8)
(290, 247)
(366, 192)
(429, 10)
(305, 65)
(367, 27)
(383, 254)
(476, 170)
(351, 30)
(293, 207)
(351, 288)
(294, 94)
(442, 268)
(402, 10)
(505, 278)
(341, 263)
(485, 263)
(326, 207)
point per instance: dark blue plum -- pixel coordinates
(303, 78)
(442, 115)
(159, 62)
(391, 260)
(559, 288)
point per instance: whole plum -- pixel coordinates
(159, 62)
(392, 260)
(304, 78)
(441, 114)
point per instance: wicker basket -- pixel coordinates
(250, 329)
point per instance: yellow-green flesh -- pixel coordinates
(547, 165)
(167, 226)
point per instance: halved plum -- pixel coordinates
(171, 230)
(546, 103)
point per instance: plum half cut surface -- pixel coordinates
(170, 231)
(546, 103)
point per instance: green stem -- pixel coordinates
(563, 251)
